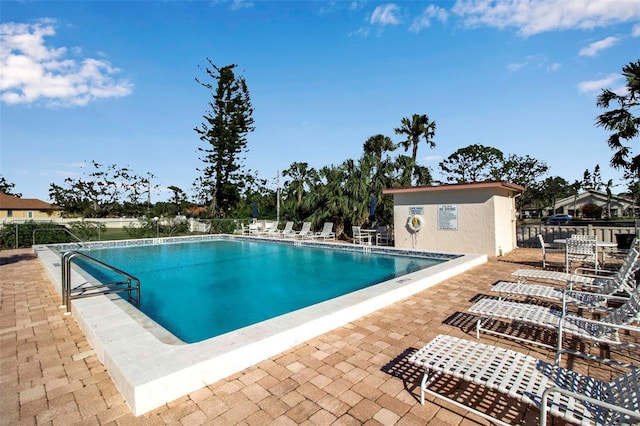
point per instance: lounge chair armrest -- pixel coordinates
(554, 390)
(600, 360)
(616, 326)
(604, 296)
(591, 272)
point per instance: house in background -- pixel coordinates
(15, 208)
(573, 205)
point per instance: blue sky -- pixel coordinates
(114, 81)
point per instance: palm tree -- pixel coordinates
(621, 121)
(416, 128)
(378, 145)
(300, 175)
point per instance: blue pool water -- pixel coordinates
(199, 290)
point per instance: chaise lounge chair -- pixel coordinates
(623, 281)
(578, 277)
(287, 231)
(305, 231)
(561, 392)
(604, 331)
(271, 230)
(326, 233)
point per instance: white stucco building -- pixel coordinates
(462, 218)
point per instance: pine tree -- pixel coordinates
(224, 132)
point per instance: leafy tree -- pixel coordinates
(553, 189)
(523, 171)
(7, 187)
(224, 133)
(105, 191)
(474, 163)
(623, 120)
(417, 128)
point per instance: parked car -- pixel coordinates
(558, 219)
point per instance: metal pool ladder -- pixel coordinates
(87, 289)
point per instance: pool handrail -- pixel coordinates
(95, 289)
(81, 242)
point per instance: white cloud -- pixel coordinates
(635, 31)
(424, 20)
(596, 85)
(240, 4)
(534, 61)
(537, 16)
(385, 15)
(31, 71)
(597, 46)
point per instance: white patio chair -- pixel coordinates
(254, 229)
(548, 248)
(622, 281)
(603, 331)
(383, 236)
(562, 392)
(360, 237)
(583, 250)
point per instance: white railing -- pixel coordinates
(527, 235)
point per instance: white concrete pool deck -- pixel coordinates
(150, 368)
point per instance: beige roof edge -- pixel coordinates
(447, 187)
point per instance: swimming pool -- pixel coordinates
(200, 290)
(150, 367)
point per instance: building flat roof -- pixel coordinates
(458, 186)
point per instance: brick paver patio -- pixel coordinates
(356, 374)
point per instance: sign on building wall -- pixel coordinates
(448, 217)
(416, 211)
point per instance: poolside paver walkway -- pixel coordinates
(354, 375)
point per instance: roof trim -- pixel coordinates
(457, 186)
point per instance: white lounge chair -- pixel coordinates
(272, 230)
(287, 231)
(603, 331)
(561, 392)
(305, 231)
(623, 281)
(585, 276)
(326, 233)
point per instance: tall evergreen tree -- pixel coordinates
(224, 133)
